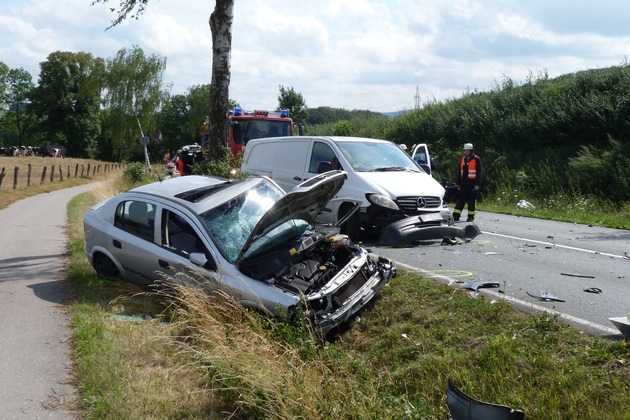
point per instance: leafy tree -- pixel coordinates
(173, 123)
(133, 96)
(67, 101)
(221, 28)
(19, 84)
(289, 99)
(4, 71)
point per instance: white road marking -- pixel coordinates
(590, 251)
(570, 318)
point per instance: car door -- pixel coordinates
(420, 154)
(133, 240)
(184, 254)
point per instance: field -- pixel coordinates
(67, 172)
(56, 170)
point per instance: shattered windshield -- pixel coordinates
(376, 156)
(232, 222)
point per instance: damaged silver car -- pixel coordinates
(248, 238)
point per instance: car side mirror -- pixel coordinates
(198, 258)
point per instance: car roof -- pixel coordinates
(332, 138)
(197, 192)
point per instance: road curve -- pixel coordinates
(35, 372)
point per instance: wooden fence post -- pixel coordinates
(16, 172)
(60, 174)
(28, 179)
(82, 170)
(76, 171)
(43, 175)
(52, 173)
(2, 175)
(68, 176)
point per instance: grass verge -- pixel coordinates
(196, 357)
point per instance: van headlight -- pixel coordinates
(382, 201)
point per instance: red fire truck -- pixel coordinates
(248, 125)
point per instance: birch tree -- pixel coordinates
(220, 23)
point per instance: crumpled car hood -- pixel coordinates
(304, 202)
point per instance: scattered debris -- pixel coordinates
(480, 285)
(577, 275)
(462, 406)
(449, 241)
(622, 323)
(492, 253)
(524, 204)
(595, 290)
(403, 335)
(546, 297)
(549, 237)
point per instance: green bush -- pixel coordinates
(134, 172)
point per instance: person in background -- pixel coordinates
(468, 183)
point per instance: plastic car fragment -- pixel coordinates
(411, 229)
(464, 407)
(546, 297)
(480, 285)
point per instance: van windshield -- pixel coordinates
(376, 156)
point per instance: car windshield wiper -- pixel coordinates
(391, 169)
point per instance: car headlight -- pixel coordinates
(382, 201)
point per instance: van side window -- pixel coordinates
(179, 236)
(321, 153)
(137, 218)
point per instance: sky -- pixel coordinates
(378, 55)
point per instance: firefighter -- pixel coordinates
(468, 183)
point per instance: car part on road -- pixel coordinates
(546, 297)
(622, 323)
(413, 229)
(480, 285)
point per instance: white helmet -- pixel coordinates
(185, 148)
(468, 146)
(403, 146)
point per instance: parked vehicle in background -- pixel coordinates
(246, 125)
(247, 238)
(397, 198)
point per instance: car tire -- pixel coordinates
(105, 267)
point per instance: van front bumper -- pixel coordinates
(424, 227)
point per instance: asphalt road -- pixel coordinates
(527, 256)
(35, 372)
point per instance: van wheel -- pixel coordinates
(352, 227)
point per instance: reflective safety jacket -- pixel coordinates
(470, 170)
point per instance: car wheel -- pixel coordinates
(105, 267)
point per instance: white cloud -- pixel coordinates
(355, 54)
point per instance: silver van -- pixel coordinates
(393, 191)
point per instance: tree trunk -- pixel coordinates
(221, 28)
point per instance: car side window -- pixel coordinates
(322, 153)
(179, 236)
(136, 217)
